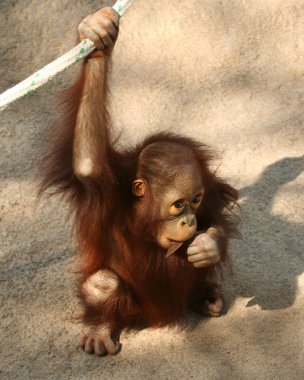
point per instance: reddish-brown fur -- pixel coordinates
(115, 229)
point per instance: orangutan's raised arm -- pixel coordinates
(91, 131)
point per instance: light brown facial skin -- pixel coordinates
(178, 207)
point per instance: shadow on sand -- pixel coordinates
(270, 255)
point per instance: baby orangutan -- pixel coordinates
(152, 222)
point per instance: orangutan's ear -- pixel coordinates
(138, 187)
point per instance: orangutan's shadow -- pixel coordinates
(270, 255)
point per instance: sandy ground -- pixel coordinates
(229, 73)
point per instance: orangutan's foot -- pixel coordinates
(211, 304)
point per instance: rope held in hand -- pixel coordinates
(42, 76)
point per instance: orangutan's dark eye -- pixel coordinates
(178, 204)
(197, 199)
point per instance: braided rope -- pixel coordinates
(38, 79)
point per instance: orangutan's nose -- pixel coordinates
(188, 220)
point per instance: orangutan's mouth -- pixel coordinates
(173, 241)
(176, 241)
